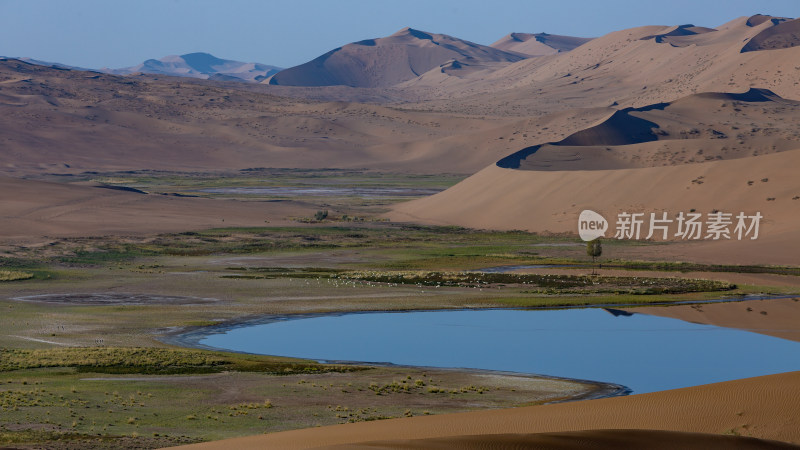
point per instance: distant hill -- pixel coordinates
(387, 61)
(538, 44)
(200, 65)
(39, 62)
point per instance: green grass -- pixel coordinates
(15, 275)
(549, 284)
(148, 360)
(695, 267)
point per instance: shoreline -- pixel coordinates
(190, 336)
(191, 339)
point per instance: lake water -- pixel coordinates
(324, 191)
(644, 353)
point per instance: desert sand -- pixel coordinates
(385, 62)
(778, 317)
(670, 156)
(763, 407)
(539, 44)
(34, 209)
(633, 68)
(550, 201)
(594, 439)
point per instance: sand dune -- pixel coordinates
(538, 44)
(697, 128)
(632, 69)
(66, 121)
(63, 121)
(550, 201)
(730, 152)
(385, 62)
(593, 439)
(784, 34)
(672, 36)
(763, 407)
(200, 65)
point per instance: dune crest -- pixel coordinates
(785, 34)
(384, 62)
(539, 44)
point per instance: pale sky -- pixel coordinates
(114, 33)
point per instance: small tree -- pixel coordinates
(594, 249)
(321, 215)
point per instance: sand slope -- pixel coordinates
(552, 200)
(384, 62)
(634, 67)
(538, 44)
(201, 65)
(34, 208)
(65, 121)
(593, 439)
(763, 407)
(697, 128)
(782, 35)
(703, 153)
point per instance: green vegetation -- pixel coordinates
(594, 249)
(320, 215)
(14, 275)
(694, 267)
(551, 284)
(156, 361)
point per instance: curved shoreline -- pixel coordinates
(190, 336)
(191, 339)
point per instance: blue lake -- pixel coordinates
(644, 353)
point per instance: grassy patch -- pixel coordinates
(694, 267)
(14, 275)
(546, 284)
(119, 360)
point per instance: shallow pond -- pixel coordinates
(326, 191)
(644, 353)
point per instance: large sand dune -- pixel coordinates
(763, 407)
(385, 62)
(538, 44)
(635, 67)
(782, 35)
(706, 152)
(551, 201)
(694, 129)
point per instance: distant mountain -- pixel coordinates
(387, 61)
(538, 44)
(201, 65)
